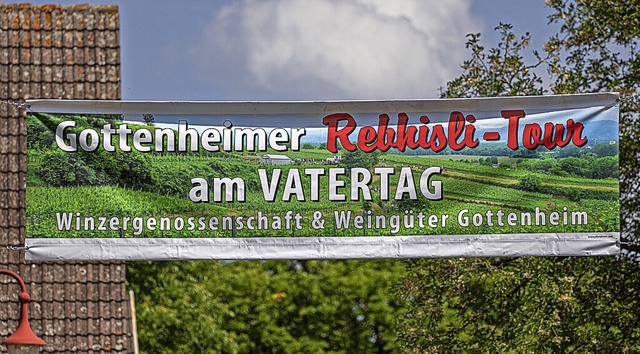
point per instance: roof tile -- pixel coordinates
(53, 51)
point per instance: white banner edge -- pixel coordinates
(319, 107)
(323, 248)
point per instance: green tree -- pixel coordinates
(530, 183)
(521, 305)
(39, 137)
(149, 119)
(59, 168)
(501, 71)
(597, 50)
(360, 159)
(570, 151)
(542, 165)
(602, 150)
(575, 166)
(266, 307)
(548, 305)
(605, 167)
(176, 312)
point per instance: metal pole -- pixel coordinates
(134, 326)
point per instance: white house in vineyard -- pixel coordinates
(270, 159)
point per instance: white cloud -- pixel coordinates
(334, 49)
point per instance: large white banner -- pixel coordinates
(513, 176)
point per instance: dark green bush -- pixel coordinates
(59, 168)
(530, 183)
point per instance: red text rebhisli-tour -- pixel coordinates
(457, 134)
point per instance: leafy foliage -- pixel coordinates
(530, 183)
(360, 159)
(266, 307)
(597, 50)
(501, 71)
(597, 47)
(149, 119)
(585, 166)
(548, 305)
(59, 168)
(525, 305)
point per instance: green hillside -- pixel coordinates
(157, 185)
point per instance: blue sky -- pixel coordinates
(305, 49)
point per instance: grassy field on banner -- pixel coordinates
(156, 185)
